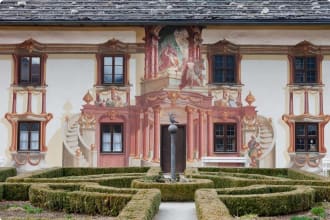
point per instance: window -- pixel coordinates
(29, 70)
(111, 138)
(225, 138)
(224, 69)
(306, 137)
(305, 69)
(28, 136)
(113, 70)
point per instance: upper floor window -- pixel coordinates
(306, 137)
(224, 69)
(111, 138)
(305, 69)
(28, 136)
(29, 71)
(113, 70)
(305, 61)
(225, 138)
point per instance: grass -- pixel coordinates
(319, 211)
(31, 209)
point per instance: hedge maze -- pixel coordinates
(265, 192)
(133, 193)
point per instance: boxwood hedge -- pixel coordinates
(6, 172)
(209, 206)
(178, 191)
(292, 199)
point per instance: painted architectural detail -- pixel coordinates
(227, 97)
(306, 126)
(113, 97)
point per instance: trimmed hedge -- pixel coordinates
(178, 191)
(209, 206)
(143, 206)
(278, 203)
(281, 172)
(78, 174)
(6, 172)
(14, 191)
(303, 175)
(83, 171)
(66, 197)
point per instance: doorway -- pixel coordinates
(180, 153)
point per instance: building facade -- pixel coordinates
(100, 94)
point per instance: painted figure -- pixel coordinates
(254, 151)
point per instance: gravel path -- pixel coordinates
(176, 211)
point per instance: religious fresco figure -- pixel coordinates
(192, 74)
(172, 50)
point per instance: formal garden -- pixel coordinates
(136, 193)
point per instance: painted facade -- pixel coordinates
(105, 94)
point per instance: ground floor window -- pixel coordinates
(111, 138)
(306, 137)
(28, 136)
(225, 137)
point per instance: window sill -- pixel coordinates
(112, 153)
(305, 85)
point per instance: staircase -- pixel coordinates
(266, 138)
(73, 155)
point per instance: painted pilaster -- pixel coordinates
(29, 102)
(43, 105)
(291, 103)
(145, 135)
(190, 133)
(156, 133)
(201, 151)
(209, 133)
(321, 102)
(306, 106)
(14, 102)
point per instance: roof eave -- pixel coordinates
(165, 22)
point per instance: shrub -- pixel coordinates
(143, 206)
(66, 197)
(277, 203)
(6, 172)
(14, 191)
(209, 206)
(179, 191)
(318, 211)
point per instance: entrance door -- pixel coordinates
(180, 153)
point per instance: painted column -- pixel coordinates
(306, 106)
(43, 105)
(201, 151)
(145, 135)
(321, 101)
(291, 103)
(29, 108)
(190, 133)
(155, 56)
(209, 133)
(14, 102)
(156, 133)
(137, 135)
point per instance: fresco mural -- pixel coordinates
(112, 98)
(226, 98)
(173, 50)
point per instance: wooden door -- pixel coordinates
(180, 153)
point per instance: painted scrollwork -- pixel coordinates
(87, 121)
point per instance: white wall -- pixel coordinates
(265, 36)
(5, 128)
(68, 78)
(67, 36)
(326, 99)
(266, 77)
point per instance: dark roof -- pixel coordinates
(133, 12)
